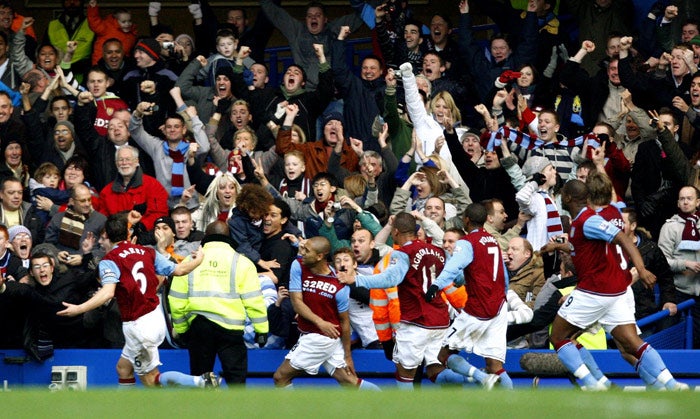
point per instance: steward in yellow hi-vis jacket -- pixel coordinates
(209, 307)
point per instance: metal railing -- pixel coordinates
(677, 336)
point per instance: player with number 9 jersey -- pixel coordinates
(134, 267)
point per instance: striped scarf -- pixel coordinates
(301, 184)
(554, 227)
(177, 179)
(690, 239)
(531, 142)
(4, 261)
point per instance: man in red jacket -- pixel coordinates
(134, 191)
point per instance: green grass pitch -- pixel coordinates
(333, 402)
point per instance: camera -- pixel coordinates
(560, 239)
(153, 108)
(336, 206)
(170, 46)
(392, 6)
(604, 138)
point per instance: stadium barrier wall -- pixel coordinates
(100, 364)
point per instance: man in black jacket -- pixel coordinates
(293, 90)
(655, 261)
(363, 96)
(150, 82)
(276, 246)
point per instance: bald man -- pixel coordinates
(322, 305)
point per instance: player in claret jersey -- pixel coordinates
(600, 296)
(129, 272)
(481, 327)
(413, 267)
(321, 303)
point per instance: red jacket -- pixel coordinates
(142, 189)
(316, 154)
(108, 28)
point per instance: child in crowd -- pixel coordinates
(295, 184)
(226, 47)
(44, 184)
(118, 25)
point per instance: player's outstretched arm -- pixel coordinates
(102, 296)
(189, 265)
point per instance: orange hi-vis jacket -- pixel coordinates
(386, 311)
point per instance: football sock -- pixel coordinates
(127, 383)
(169, 378)
(649, 379)
(593, 367)
(460, 365)
(651, 365)
(403, 383)
(506, 381)
(448, 376)
(367, 385)
(571, 358)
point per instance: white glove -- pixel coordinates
(196, 10)
(551, 67)
(281, 110)
(153, 8)
(563, 52)
(406, 69)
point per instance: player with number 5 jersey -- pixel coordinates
(599, 297)
(593, 239)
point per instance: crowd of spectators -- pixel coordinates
(180, 130)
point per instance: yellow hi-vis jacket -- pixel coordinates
(58, 36)
(225, 289)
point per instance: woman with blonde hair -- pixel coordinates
(429, 127)
(219, 200)
(443, 104)
(356, 187)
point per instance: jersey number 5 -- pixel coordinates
(623, 259)
(139, 276)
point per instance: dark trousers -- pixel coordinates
(206, 340)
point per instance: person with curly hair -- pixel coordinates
(245, 225)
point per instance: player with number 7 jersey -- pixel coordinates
(481, 327)
(484, 273)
